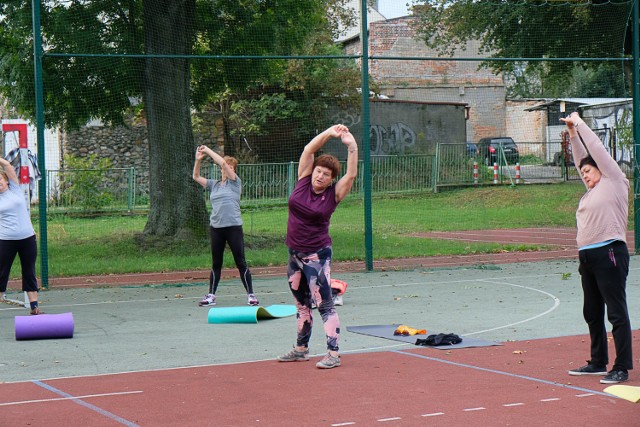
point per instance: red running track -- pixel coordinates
(560, 241)
(520, 383)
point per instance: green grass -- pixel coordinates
(111, 244)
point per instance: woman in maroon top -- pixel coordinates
(311, 204)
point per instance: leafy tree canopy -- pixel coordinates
(532, 29)
(82, 83)
(81, 87)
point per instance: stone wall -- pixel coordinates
(127, 146)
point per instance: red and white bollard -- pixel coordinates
(475, 172)
(517, 173)
(495, 173)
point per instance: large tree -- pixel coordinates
(81, 84)
(175, 209)
(537, 29)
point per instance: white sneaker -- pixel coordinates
(329, 362)
(337, 300)
(209, 299)
(252, 299)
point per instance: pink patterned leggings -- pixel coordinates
(309, 280)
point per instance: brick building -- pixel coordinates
(490, 113)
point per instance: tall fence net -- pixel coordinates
(461, 119)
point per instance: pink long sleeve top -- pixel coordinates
(602, 213)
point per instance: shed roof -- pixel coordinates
(587, 102)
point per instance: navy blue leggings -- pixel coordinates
(27, 250)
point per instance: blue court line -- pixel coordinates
(509, 374)
(87, 405)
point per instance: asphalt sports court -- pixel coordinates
(146, 355)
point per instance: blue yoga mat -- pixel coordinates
(249, 314)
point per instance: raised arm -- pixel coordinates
(196, 168)
(305, 164)
(8, 169)
(578, 150)
(343, 186)
(203, 151)
(585, 142)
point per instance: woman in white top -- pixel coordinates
(16, 236)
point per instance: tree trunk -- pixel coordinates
(177, 208)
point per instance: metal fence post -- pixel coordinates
(131, 189)
(434, 169)
(290, 180)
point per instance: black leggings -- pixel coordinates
(604, 278)
(27, 250)
(234, 236)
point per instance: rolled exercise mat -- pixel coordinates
(44, 326)
(249, 314)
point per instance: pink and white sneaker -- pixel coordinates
(209, 299)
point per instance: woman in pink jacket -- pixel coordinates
(604, 258)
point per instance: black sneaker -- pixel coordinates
(589, 369)
(615, 377)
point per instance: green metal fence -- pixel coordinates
(93, 190)
(265, 184)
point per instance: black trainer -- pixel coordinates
(589, 369)
(614, 377)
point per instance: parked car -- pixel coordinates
(472, 150)
(489, 150)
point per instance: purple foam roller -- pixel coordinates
(44, 326)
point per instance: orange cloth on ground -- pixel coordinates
(339, 285)
(406, 330)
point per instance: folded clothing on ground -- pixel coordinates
(440, 339)
(407, 331)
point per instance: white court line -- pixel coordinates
(498, 281)
(473, 280)
(433, 414)
(351, 289)
(556, 304)
(136, 301)
(421, 283)
(56, 399)
(210, 365)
